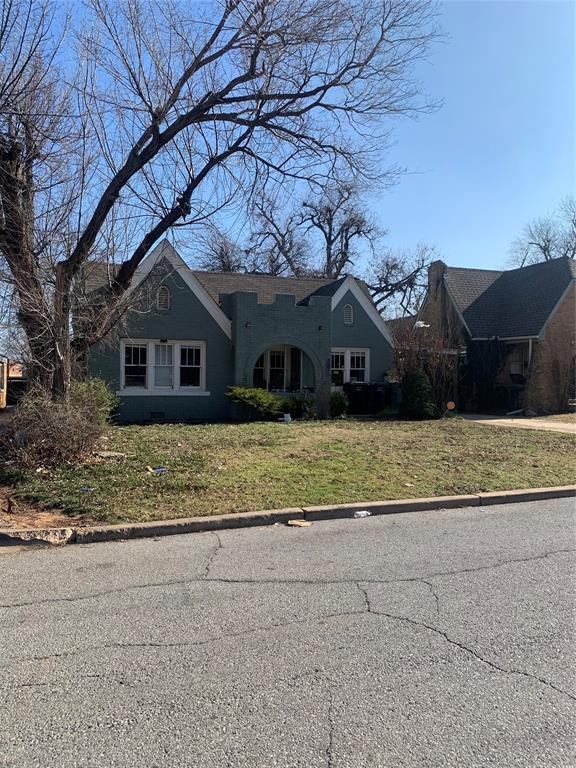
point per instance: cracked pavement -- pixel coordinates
(423, 639)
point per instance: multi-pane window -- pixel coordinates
(357, 366)
(349, 366)
(163, 365)
(190, 366)
(276, 369)
(338, 368)
(135, 365)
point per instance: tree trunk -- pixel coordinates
(61, 350)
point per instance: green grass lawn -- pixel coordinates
(219, 468)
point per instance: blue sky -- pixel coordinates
(501, 150)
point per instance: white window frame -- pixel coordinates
(151, 389)
(285, 350)
(177, 363)
(155, 365)
(348, 352)
(123, 365)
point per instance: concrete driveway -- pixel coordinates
(439, 639)
(539, 422)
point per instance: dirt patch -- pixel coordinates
(16, 514)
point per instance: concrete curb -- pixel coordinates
(60, 536)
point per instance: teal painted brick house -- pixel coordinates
(190, 335)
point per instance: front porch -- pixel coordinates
(284, 368)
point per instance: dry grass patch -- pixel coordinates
(221, 468)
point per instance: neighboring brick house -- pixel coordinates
(522, 321)
(175, 356)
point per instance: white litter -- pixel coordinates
(362, 513)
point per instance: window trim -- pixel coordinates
(151, 389)
(348, 352)
(147, 367)
(156, 365)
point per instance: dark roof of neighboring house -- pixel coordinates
(466, 285)
(266, 286)
(517, 302)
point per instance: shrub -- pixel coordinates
(298, 405)
(417, 402)
(259, 402)
(93, 396)
(338, 404)
(47, 433)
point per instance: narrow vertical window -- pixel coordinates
(135, 365)
(259, 374)
(190, 366)
(277, 369)
(163, 365)
(338, 366)
(163, 298)
(348, 314)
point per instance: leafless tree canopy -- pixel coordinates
(323, 235)
(340, 222)
(548, 237)
(220, 253)
(139, 116)
(277, 243)
(398, 278)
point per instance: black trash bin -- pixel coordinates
(359, 397)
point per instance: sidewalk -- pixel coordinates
(548, 425)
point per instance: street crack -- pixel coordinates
(179, 582)
(213, 554)
(461, 646)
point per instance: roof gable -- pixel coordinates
(165, 250)
(509, 304)
(363, 298)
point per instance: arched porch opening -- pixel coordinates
(284, 368)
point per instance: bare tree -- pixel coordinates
(548, 237)
(398, 279)
(421, 347)
(341, 223)
(277, 243)
(221, 253)
(174, 109)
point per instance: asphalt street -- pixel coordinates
(423, 639)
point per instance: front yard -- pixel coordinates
(218, 468)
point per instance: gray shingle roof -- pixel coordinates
(517, 302)
(466, 285)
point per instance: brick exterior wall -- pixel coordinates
(551, 373)
(256, 327)
(439, 310)
(550, 377)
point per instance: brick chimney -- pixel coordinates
(436, 271)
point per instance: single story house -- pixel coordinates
(191, 335)
(515, 329)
